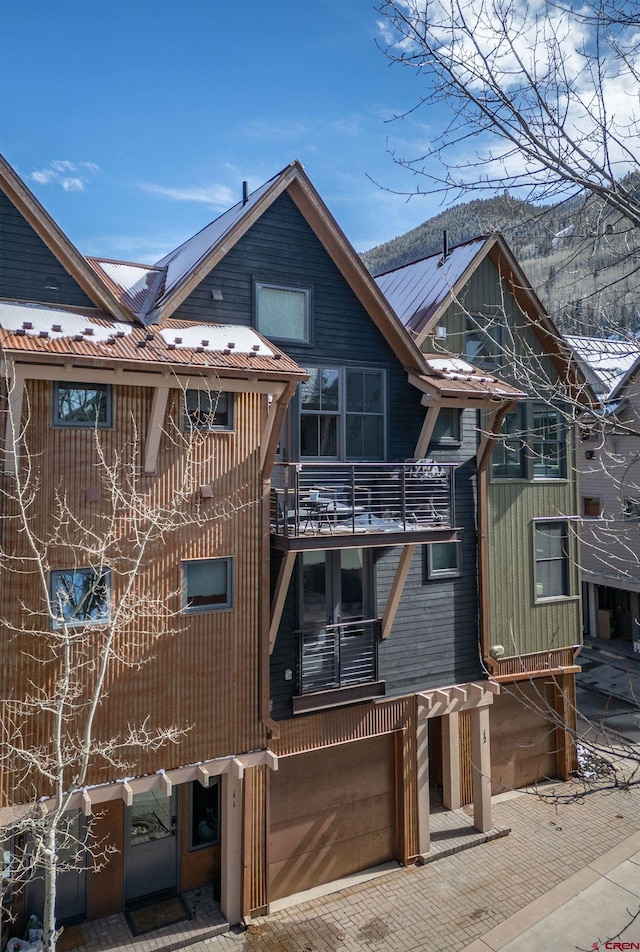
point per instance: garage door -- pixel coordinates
(332, 813)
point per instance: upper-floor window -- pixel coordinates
(207, 585)
(447, 431)
(591, 507)
(552, 574)
(631, 510)
(80, 596)
(443, 560)
(342, 413)
(82, 404)
(532, 444)
(483, 341)
(283, 312)
(208, 410)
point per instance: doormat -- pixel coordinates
(156, 915)
(71, 938)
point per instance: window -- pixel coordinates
(591, 507)
(444, 559)
(80, 596)
(208, 410)
(205, 813)
(283, 312)
(79, 404)
(631, 509)
(552, 559)
(207, 584)
(483, 341)
(342, 413)
(447, 428)
(509, 460)
(532, 444)
(548, 442)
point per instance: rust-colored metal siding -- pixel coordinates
(200, 671)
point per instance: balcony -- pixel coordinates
(329, 505)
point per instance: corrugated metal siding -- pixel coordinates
(204, 676)
(25, 260)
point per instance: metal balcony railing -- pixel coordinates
(344, 498)
(338, 656)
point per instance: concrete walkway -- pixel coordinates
(567, 877)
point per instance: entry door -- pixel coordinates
(151, 857)
(338, 638)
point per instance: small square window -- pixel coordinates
(50, 283)
(283, 312)
(80, 596)
(79, 404)
(208, 410)
(591, 507)
(207, 585)
(444, 560)
(205, 813)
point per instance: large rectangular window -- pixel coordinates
(80, 596)
(548, 442)
(207, 585)
(509, 460)
(342, 413)
(552, 559)
(283, 312)
(79, 404)
(483, 341)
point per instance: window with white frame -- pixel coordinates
(207, 584)
(208, 410)
(80, 404)
(548, 442)
(552, 570)
(283, 312)
(443, 560)
(342, 413)
(80, 596)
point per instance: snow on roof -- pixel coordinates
(608, 360)
(183, 260)
(242, 340)
(133, 284)
(34, 320)
(415, 291)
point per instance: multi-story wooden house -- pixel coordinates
(474, 302)
(358, 675)
(609, 465)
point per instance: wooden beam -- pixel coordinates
(427, 431)
(451, 788)
(155, 429)
(397, 588)
(488, 440)
(481, 764)
(280, 595)
(13, 424)
(165, 783)
(273, 427)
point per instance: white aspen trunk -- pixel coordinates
(50, 890)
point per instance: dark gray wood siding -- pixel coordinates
(26, 264)
(434, 639)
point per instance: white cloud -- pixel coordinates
(70, 176)
(217, 196)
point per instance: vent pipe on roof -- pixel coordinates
(445, 244)
(245, 193)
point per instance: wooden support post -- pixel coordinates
(427, 431)
(280, 596)
(451, 793)
(397, 588)
(481, 764)
(231, 848)
(154, 431)
(422, 773)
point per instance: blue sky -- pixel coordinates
(135, 122)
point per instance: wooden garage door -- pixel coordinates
(332, 813)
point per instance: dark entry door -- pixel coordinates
(151, 856)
